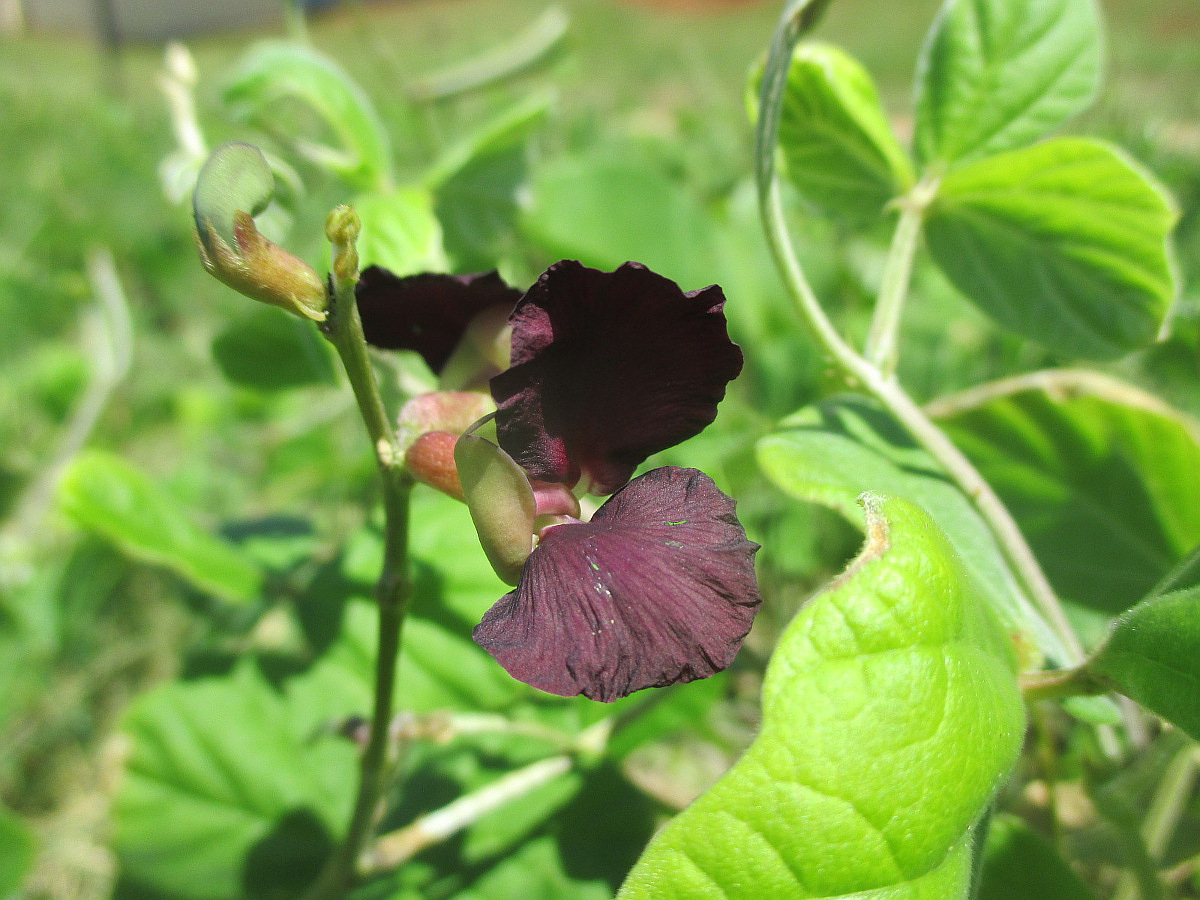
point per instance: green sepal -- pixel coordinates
(501, 502)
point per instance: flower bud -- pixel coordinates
(233, 186)
(430, 459)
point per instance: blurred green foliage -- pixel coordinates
(235, 417)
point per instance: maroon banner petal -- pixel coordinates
(608, 368)
(429, 312)
(658, 588)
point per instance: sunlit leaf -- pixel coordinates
(838, 148)
(1065, 243)
(605, 208)
(476, 185)
(105, 494)
(832, 453)
(1153, 656)
(274, 75)
(890, 716)
(400, 232)
(995, 75)
(221, 798)
(1094, 481)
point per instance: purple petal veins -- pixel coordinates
(658, 588)
(608, 368)
(428, 312)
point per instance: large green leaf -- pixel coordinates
(890, 717)
(439, 670)
(838, 147)
(832, 453)
(1153, 656)
(1065, 243)
(476, 184)
(268, 350)
(400, 232)
(274, 75)
(1020, 863)
(606, 207)
(995, 75)
(105, 494)
(222, 797)
(1095, 481)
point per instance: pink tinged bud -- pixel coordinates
(233, 186)
(501, 502)
(430, 459)
(453, 411)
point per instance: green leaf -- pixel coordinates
(107, 495)
(995, 75)
(476, 184)
(274, 76)
(1093, 473)
(666, 714)
(832, 453)
(268, 350)
(609, 206)
(17, 849)
(222, 797)
(1153, 657)
(400, 232)
(838, 148)
(1018, 862)
(798, 17)
(1066, 243)
(890, 717)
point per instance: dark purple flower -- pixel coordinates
(428, 313)
(658, 588)
(608, 368)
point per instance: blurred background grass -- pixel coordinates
(82, 132)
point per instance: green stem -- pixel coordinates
(877, 383)
(1059, 684)
(882, 348)
(394, 588)
(893, 397)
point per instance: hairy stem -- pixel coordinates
(1059, 684)
(394, 588)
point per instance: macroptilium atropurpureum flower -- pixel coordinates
(605, 369)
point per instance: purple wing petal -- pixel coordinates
(608, 368)
(659, 588)
(429, 312)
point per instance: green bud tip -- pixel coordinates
(342, 226)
